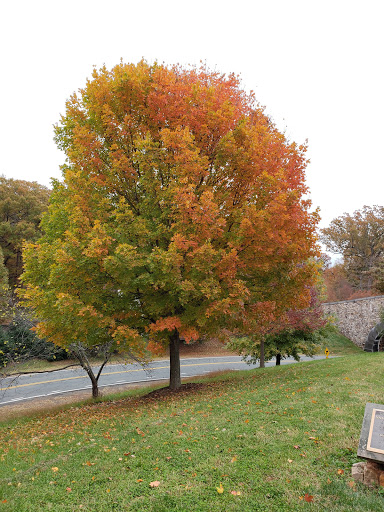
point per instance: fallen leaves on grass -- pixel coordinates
(236, 493)
(340, 471)
(220, 489)
(308, 498)
(156, 483)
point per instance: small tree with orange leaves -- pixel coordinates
(181, 213)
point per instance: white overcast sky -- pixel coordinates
(317, 67)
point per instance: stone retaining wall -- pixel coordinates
(355, 318)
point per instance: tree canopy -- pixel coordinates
(360, 239)
(181, 213)
(297, 332)
(22, 204)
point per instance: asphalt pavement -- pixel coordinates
(39, 385)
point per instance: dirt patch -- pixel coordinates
(188, 387)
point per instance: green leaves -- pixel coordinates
(181, 212)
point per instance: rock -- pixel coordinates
(358, 471)
(369, 473)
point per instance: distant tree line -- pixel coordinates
(22, 205)
(359, 238)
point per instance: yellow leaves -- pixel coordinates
(124, 335)
(340, 471)
(89, 311)
(220, 489)
(55, 469)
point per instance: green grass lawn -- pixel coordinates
(258, 440)
(338, 344)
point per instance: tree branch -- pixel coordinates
(39, 371)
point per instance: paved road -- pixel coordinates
(38, 385)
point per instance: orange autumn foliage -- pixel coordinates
(182, 211)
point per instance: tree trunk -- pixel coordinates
(278, 359)
(174, 360)
(262, 358)
(95, 387)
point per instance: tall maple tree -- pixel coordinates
(181, 214)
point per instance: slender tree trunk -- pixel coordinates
(95, 387)
(79, 351)
(278, 359)
(174, 360)
(262, 357)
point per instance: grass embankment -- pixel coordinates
(268, 439)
